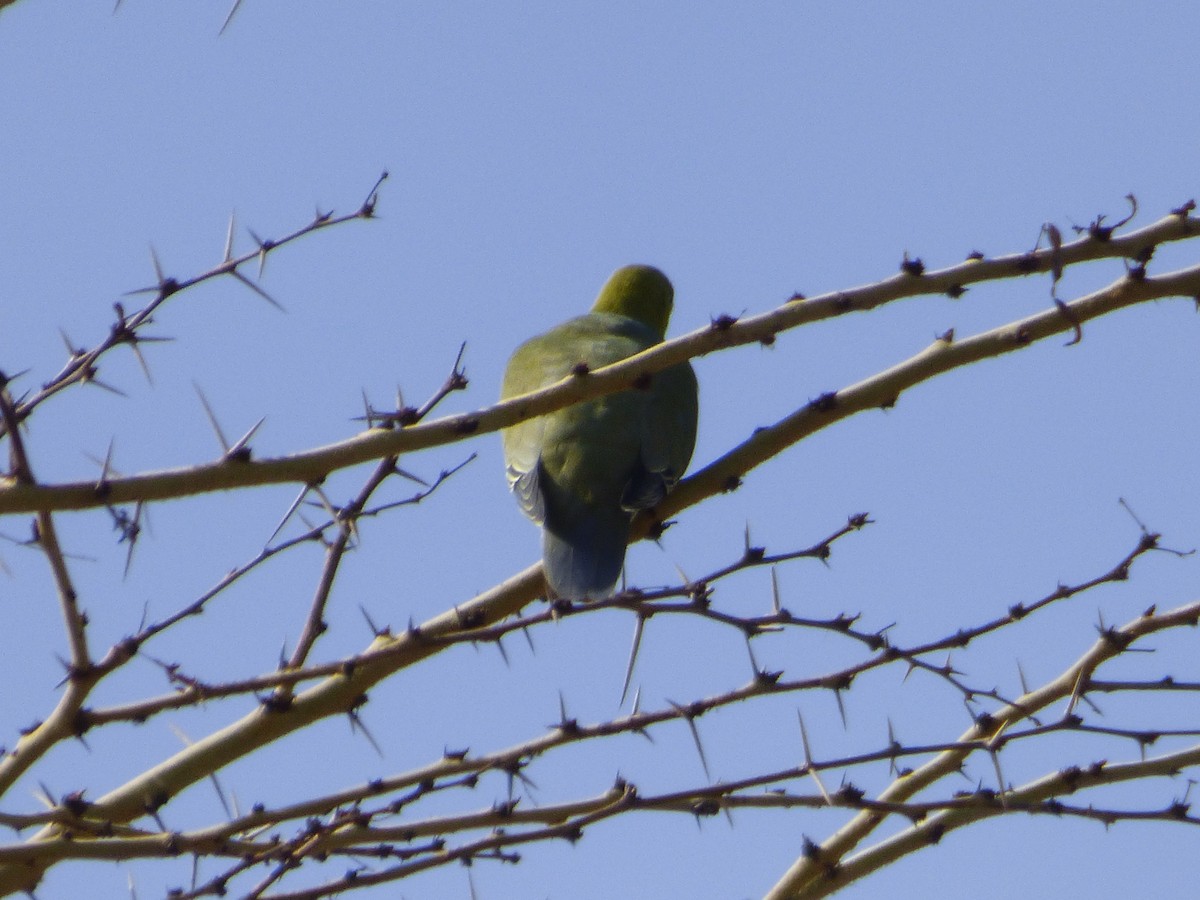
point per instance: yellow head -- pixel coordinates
(638, 292)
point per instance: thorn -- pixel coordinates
(1075, 694)
(326, 504)
(1088, 700)
(1021, 675)
(368, 414)
(254, 287)
(684, 580)
(893, 744)
(375, 629)
(808, 760)
(239, 447)
(131, 530)
(137, 352)
(158, 272)
(404, 473)
(72, 351)
(757, 671)
(212, 420)
(45, 796)
(263, 248)
(633, 652)
(691, 722)
(108, 387)
(775, 604)
(357, 724)
(1001, 790)
(107, 466)
(335, 517)
(221, 795)
(237, 807)
(229, 16)
(291, 509)
(228, 255)
(136, 291)
(837, 693)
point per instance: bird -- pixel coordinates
(583, 471)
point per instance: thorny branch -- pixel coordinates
(386, 825)
(310, 466)
(82, 366)
(362, 822)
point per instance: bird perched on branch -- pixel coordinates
(583, 471)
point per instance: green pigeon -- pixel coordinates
(583, 471)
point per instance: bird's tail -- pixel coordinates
(583, 555)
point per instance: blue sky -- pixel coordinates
(749, 150)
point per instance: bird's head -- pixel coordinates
(638, 292)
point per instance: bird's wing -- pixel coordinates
(669, 421)
(527, 487)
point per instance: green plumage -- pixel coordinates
(583, 471)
